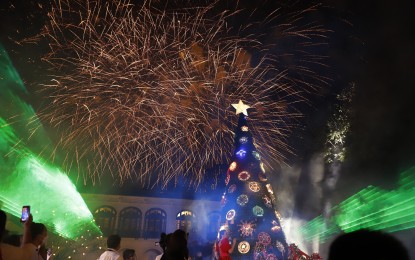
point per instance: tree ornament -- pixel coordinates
(254, 186)
(267, 201)
(230, 215)
(242, 200)
(223, 200)
(243, 247)
(262, 167)
(258, 211)
(241, 108)
(264, 238)
(262, 177)
(280, 246)
(241, 153)
(243, 176)
(243, 140)
(269, 189)
(232, 167)
(228, 177)
(246, 228)
(275, 227)
(232, 188)
(278, 215)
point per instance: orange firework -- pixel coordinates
(146, 93)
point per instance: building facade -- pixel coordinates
(141, 220)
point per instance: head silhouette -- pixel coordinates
(39, 233)
(3, 219)
(366, 244)
(114, 242)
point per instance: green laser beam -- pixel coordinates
(371, 208)
(26, 178)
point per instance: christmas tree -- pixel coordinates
(249, 203)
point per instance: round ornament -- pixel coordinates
(258, 211)
(243, 247)
(242, 200)
(254, 186)
(264, 238)
(244, 128)
(243, 176)
(230, 215)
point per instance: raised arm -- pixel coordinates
(27, 236)
(233, 246)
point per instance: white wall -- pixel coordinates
(146, 248)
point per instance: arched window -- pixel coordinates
(186, 220)
(105, 219)
(214, 224)
(154, 223)
(129, 222)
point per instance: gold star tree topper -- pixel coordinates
(241, 108)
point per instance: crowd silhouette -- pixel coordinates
(357, 245)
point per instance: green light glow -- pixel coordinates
(371, 208)
(52, 197)
(26, 179)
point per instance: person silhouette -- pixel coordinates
(366, 244)
(223, 247)
(113, 245)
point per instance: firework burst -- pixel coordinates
(140, 92)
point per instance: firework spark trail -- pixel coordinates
(142, 92)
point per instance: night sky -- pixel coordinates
(378, 56)
(370, 44)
